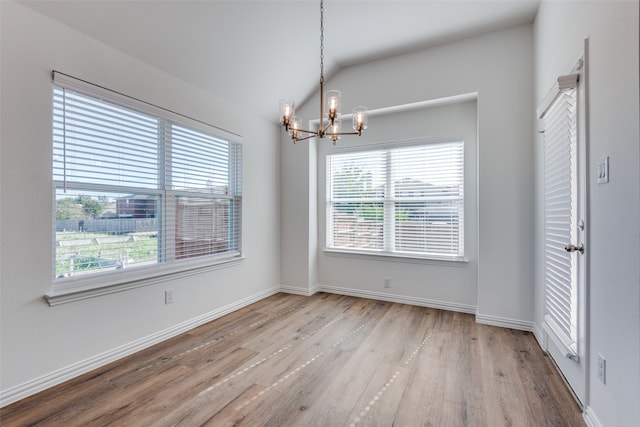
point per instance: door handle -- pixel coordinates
(574, 248)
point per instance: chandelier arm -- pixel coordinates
(311, 132)
(324, 131)
(305, 138)
(342, 133)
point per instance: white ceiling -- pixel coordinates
(256, 52)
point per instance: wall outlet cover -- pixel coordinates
(602, 369)
(169, 296)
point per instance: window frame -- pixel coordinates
(83, 286)
(389, 203)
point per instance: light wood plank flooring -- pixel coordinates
(325, 360)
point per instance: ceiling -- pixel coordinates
(256, 52)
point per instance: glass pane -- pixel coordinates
(206, 226)
(103, 231)
(199, 162)
(431, 227)
(96, 142)
(357, 175)
(428, 168)
(358, 225)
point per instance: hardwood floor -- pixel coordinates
(325, 360)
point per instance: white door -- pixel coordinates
(565, 229)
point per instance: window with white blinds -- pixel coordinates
(560, 212)
(407, 200)
(136, 185)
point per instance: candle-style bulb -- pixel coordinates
(359, 118)
(333, 103)
(294, 127)
(334, 130)
(286, 112)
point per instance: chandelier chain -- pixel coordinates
(321, 41)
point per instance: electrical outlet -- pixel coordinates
(387, 282)
(169, 296)
(602, 368)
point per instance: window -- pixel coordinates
(137, 186)
(407, 200)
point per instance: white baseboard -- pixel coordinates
(51, 379)
(538, 333)
(505, 322)
(422, 302)
(298, 291)
(590, 417)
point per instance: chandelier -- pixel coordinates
(329, 125)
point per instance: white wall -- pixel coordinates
(614, 208)
(38, 341)
(499, 67)
(295, 184)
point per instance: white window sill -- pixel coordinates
(80, 288)
(396, 257)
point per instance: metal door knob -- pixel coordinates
(574, 248)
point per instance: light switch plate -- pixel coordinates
(603, 170)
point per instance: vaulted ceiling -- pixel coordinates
(256, 52)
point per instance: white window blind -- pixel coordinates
(136, 185)
(406, 200)
(560, 210)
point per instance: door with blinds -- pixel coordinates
(564, 228)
